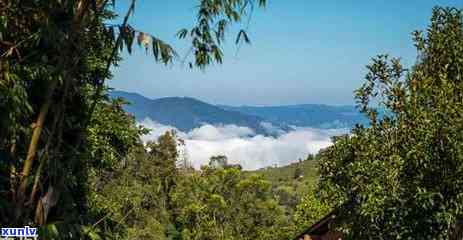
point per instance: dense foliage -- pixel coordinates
(402, 178)
(150, 198)
(72, 162)
(61, 139)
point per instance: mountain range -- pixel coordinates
(187, 113)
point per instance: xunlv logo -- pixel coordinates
(19, 232)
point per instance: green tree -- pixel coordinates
(310, 209)
(310, 157)
(224, 203)
(402, 178)
(164, 156)
(142, 207)
(111, 135)
(54, 59)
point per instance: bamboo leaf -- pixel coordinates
(242, 36)
(156, 48)
(182, 33)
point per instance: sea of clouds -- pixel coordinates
(242, 146)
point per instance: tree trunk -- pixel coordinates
(32, 150)
(82, 8)
(457, 232)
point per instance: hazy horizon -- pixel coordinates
(237, 105)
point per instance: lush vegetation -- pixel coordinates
(72, 161)
(402, 178)
(296, 188)
(153, 195)
(157, 200)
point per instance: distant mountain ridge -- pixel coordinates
(187, 113)
(307, 115)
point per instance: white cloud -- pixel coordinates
(215, 133)
(238, 144)
(157, 130)
(272, 129)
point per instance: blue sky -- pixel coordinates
(302, 51)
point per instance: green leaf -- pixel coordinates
(242, 36)
(182, 33)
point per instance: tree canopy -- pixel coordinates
(401, 178)
(58, 129)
